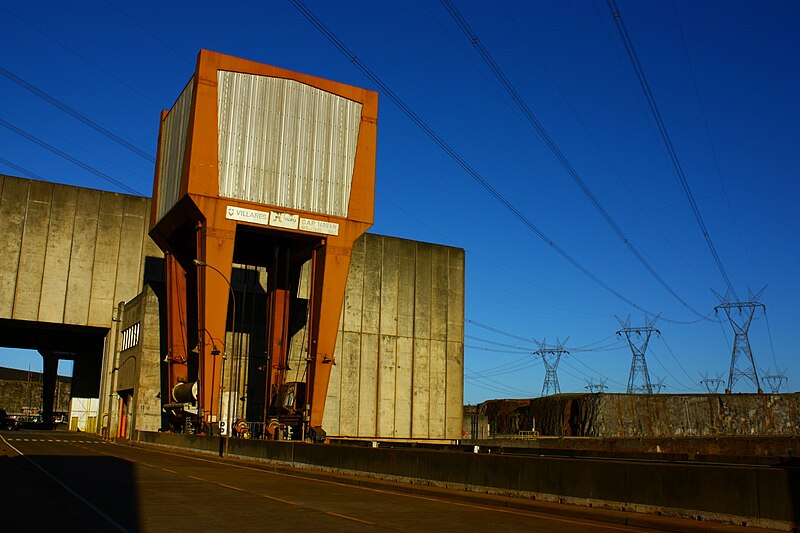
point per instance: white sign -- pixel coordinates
(319, 226)
(247, 215)
(283, 220)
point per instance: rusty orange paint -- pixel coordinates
(177, 344)
(197, 228)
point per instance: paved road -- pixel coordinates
(73, 482)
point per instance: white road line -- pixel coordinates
(68, 489)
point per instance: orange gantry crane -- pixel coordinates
(261, 166)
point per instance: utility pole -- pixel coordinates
(740, 322)
(551, 355)
(638, 338)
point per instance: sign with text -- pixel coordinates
(283, 220)
(319, 226)
(247, 215)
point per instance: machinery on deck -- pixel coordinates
(271, 169)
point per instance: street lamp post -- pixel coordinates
(200, 263)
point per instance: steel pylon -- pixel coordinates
(740, 322)
(551, 356)
(638, 338)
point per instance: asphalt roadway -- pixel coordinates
(58, 480)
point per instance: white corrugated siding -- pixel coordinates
(173, 146)
(285, 143)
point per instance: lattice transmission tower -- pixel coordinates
(594, 388)
(638, 338)
(711, 384)
(740, 322)
(551, 356)
(775, 381)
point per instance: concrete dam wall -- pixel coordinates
(651, 415)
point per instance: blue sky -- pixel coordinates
(724, 75)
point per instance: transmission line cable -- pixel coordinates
(77, 114)
(633, 198)
(20, 169)
(665, 137)
(69, 158)
(711, 141)
(328, 34)
(73, 52)
(531, 118)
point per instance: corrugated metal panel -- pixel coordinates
(285, 143)
(173, 146)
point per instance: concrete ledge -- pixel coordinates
(764, 496)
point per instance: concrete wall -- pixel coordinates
(756, 495)
(139, 364)
(69, 254)
(16, 392)
(400, 348)
(652, 415)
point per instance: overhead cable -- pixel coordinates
(554, 148)
(69, 158)
(328, 34)
(77, 114)
(20, 169)
(665, 137)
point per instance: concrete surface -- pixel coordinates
(83, 483)
(765, 496)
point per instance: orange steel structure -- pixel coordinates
(198, 229)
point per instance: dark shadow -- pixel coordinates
(33, 501)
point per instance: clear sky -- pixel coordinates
(724, 77)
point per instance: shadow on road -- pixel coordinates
(32, 500)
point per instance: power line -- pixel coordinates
(77, 114)
(554, 148)
(333, 39)
(20, 169)
(665, 137)
(69, 158)
(710, 140)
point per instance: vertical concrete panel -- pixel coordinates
(439, 288)
(354, 294)
(387, 370)
(12, 219)
(30, 268)
(59, 250)
(349, 363)
(389, 287)
(130, 262)
(81, 263)
(148, 402)
(422, 291)
(368, 390)
(405, 292)
(331, 416)
(455, 295)
(403, 387)
(420, 402)
(371, 302)
(454, 394)
(106, 253)
(437, 384)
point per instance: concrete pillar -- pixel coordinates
(49, 374)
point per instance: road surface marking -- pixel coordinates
(267, 496)
(349, 518)
(538, 514)
(168, 470)
(68, 489)
(231, 487)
